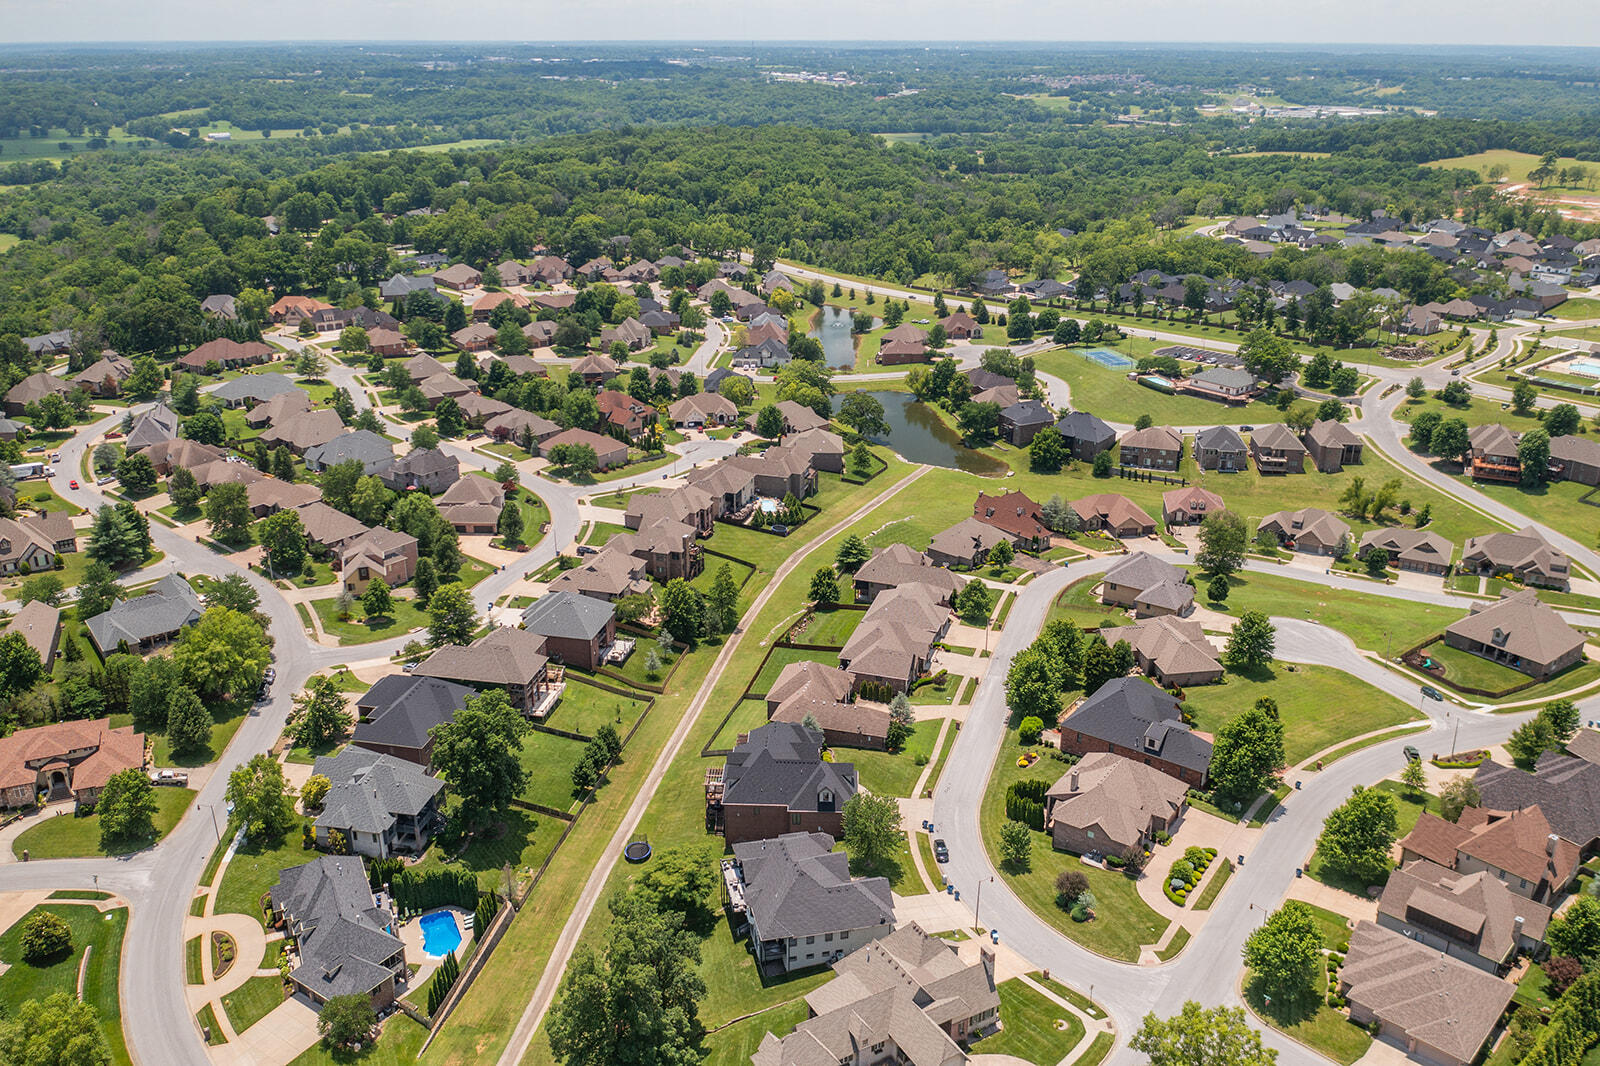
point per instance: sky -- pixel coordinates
(1403, 22)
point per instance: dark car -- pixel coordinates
(940, 852)
(1412, 754)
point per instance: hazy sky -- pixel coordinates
(1399, 22)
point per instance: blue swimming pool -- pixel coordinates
(770, 506)
(440, 934)
(1588, 368)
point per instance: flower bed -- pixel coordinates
(1460, 760)
(1186, 874)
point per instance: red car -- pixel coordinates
(72, 484)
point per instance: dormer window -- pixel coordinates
(1500, 637)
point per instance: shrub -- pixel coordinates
(45, 938)
(1028, 732)
(1183, 871)
(1561, 972)
(1025, 802)
(1163, 837)
(1070, 887)
(1116, 862)
(1080, 913)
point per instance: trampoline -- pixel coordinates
(637, 851)
(1108, 358)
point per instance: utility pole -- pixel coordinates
(977, 907)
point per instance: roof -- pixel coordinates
(343, 939)
(369, 790)
(1225, 377)
(967, 539)
(457, 274)
(595, 364)
(502, 657)
(1192, 499)
(1526, 549)
(1519, 624)
(1155, 438)
(115, 750)
(1329, 433)
(36, 387)
(1116, 795)
(1141, 570)
(797, 885)
(1114, 509)
(1566, 791)
(603, 446)
(1423, 993)
(160, 423)
(704, 404)
(401, 708)
(169, 606)
(1132, 713)
(1276, 437)
(1081, 425)
(326, 525)
(1409, 544)
(944, 985)
(781, 764)
(565, 614)
(899, 564)
(1585, 744)
(420, 463)
(473, 490)
(1174, 645)
(369, 448)
(1321, 526)
(1014, 512)
(256, 387)
(1491, 438)
(306, 429)
(1219, 439)
(1571, 448)
(39, 623)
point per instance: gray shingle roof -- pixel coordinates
(1132, 713)
(370, 790)
(797, 885)
(169, 606)
(565, 614)
(254, 387)
(400, 709)
(363, 444)
(782, 763)
(344, 937)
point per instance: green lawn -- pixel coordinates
(1555, 505)
(1477, 411)
(1518, 165)
(894, 773)
(1304, 695)
(831, 627)
(1462, 668)
(68, 837)
(1109, 393)
(782, 657)
(1313, 1022)
(1533, 989)
(940, 693)
(254, 869)
(621, 498)
(898, 868)
(637, 669)
(252, 1001)
(734, 1045)
(405, 617)
(733, 986)
(549, 761)
(90, 929)
(1409, 807)
(1030, 1027)
(600, 532)
(1078, 602)
(222, 731)
(522, 841)
(585, 708)
(747, 715)
(1383, 624)
(398, 1045)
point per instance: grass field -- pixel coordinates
(549, 761)
(404, 617)
(734, 1045)
(252, 1001)
(70, 837)
(1109, 393)
(1314, 1022)
(1555, 505)
(894, 774)
(254, 869)
(397, 1045)
(1576, 308)
(585, 708)
(782, 657)
(1462, 668)
(1030, 1027)
(1518, 166)
(103, 933)
(521, 841)
(832, 627)
(1383, 624)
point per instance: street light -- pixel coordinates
(977, 906)
(211, 807)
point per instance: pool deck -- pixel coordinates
(411, 936)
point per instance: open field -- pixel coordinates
(1518, 166)
(1386, 624)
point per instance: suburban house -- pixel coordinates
(609, 451)
(1113, 513)
(104, 376)
(1024, 420)
(797, 418)
(1149, 585)
(906, 998)
(1519, 631)
(1471, 917)
(156, 425)
(1016, 514)
(822, 449)
(1332, 446)
(1437, 1008)
(363, 445)
(1085, 435)
(399, 286)
(608, 576)
(630, 333)
(327, 527)
(775, 781)
(504, 658)
(823, 693)
(1220, 448)
(1221, 384)
(1154, 448)
(701, 410)
(475, 337)
(895, 640)
(1525, 555)
(457, 276)
(1111, 805)
(1001, 396)
(304, 430)
(225, 354)
(292, 310)
(1310, 529)
(595, 369)
(40, 625)
(577, 630)
(622, 412)
(282, 406)
(148, 620)
(1494, 455)
(667, 549)
(1417, 550)
(689, 505)
(1565, 789)
(253, 389)
(381, 805)
(394, 716)
(1189, 506)
(961, 326)
(901, 564)
(1518, 848)
(519, 425)
(380, 552)
(472, 505)
(1129, 716)
(32, 389)
(35, 540)
(345, 939)
(1575, 458)
(71, 759)
(427, 469)
(801, 905)
(1172, 650)
(966, 544)
(1277, 450)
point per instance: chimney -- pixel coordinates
(1074, 779)
(1550, 844)
(1517, 926)
(986, 956)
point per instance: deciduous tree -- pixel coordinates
(479, 752)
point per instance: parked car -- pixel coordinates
(1429, 692)
(940, 852)
(169, 777)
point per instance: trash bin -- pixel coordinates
(1299, 871)
(994, 936)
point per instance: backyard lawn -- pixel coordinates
(1109, 393)
(1078, 602)
(894, 774)
(405, 617)
(398, 1045)
(69, 837)
(831, 627)
(1462, 668)
(1030, 1027)
(103, 933)
(734, 1045)
(585, 708)
(522, 841)
(549, 761)
(782, 657)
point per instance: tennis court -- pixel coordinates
(1108, 358)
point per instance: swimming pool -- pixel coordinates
(767, 504)
(1107, 357)
(1586, 368)
(440, 934)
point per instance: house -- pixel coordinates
(1022, 421)
(540, 335)
(440, 386)
(422, 469)
(269, 496)
(549, 269)
(458, 276)
(475, 337)
(513, 273)
(689, 505)
(282, 406)
(797, 418)
(1189, 506)
(519, 425)
(225, 353)
(146, 621)
(1472, 917)
(1111, 805)
(304, 430)
(608, 576)
(504, 658)
(1310, 529)
(1440, 1010)
(32, 542)
(620, 411)
(966, 544)
(40, 625)
(701, 410)
(399, 286)
(1519, 631)
(905, 998)
(378, 553)
(395, 715)
(1332, 446)
(801, 904)
(1149, 585)
(595, 369)
(895, 640)
(822, 449)
(1172, 650)
(1222, 384)
(775, 781)
(667, 548)
(659, 323)
(1155, 448)
(1277, 450)
(71, 759)
(1002, 396)
(345, 940)
(1014, 513)
(381, 805)
(811, 690)
(328, 528)
(32, 389)
(1575, 458)
(1494, 455)
(1085, 435)
(630, 333)
(253, 389)
(1220, 448)
(900, 564)
(577, 630)
(608, 451)
(292, 310)
(167, 455)
(158, 424)
(104, 376)
(1129, 716)
(961, 326)
(903, 344)
(472, 505)
(763, 350)
(1525, 555)
(1565, 789)
(1416, 550)
(1517, 848)
(362, 445)
(58, 342)
(1114, 514)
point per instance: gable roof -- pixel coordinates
(1014, 512)
(796, 885)
(170, 605)
(1117, 795)
(1219, 439)
(364, 445)
(504, 656)
(1566, 791)
(1522, 625)
(565, 614)
(1132, 713)
(1174, 645)
(781, 764)
(400, 709)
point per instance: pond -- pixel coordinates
(917, 434)
(833, 330)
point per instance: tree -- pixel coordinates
(283, 538)
(978, 422)
(146, 379)
(637, 1002)
(1268, 356)
(859, 464)
(852, 553)
(206, 427)
(1423, 427)
(871, 827)
(724, 599)
(424, 437)
(46, 937)
(824, 590)
(228, 511)
(127, 808)
(1529, 741)
(1016, 846)
(345, 1021)
(452, 618)
(376, 601)
(1450, 441)
(1563, 717)
(188, 721)
(769, 422)
(224, 653)
(510, 524)
(973, 602)
(425, 581)
(137, 473)
(1033, 688)
(1285, 952)
(282, 464)
(680, 880)
(262, 801)
(1457, 796)
(57, 1030)
(1102, 464)
(1533, 454)
(1247, 754)
(479, 752)
(370, 501)
(1223, 540)
(314, 791)
(1217, 589)
(44, 588)
(1414, 777)
(1562, 420)
(183, 489)
(1046, 452)
(1415, 389)
(1002, 554)
(682, 613)
(1576, 934)
(863, 413)
(1357, 836)
(1523, 397)
(1220, 1036)
(319, 715)
(1251, 643)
